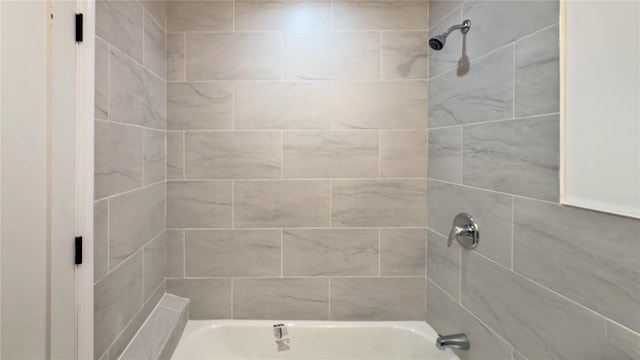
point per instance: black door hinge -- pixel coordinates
(79, 27)
(78, 246)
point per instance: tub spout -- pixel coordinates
(455, 341)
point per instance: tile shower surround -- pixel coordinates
(547, 281)
(130, 185)
(296, 158)
(336, 239)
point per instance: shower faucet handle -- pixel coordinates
(465, 230)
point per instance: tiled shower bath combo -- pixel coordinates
(304, 160)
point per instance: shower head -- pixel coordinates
(437, 42)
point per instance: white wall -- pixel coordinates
(23, 183)
(602, 106)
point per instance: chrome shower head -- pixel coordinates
(437, 42)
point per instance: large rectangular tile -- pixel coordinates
(357, 299)
(233, 155)
(446, 316)
(518, 156)
(484, 92)
(440, 8)
(621, 343)
(117, 298)
(443, 264)
(380, 15)
(379, 203)
(589, 257)
(537, 73)
(445, 154)
(118, 158)
(134, 219)
(199, 204)
(403, 55)
(220, 253)
(402, 252)
(208, 298)
(136, 96)
(101, 93)
(487, 34)
(379, 105)
(154, 46)
(331, 55)
(288, 203)
(282, 105)
(155, 265)
(175, 155)
(120, 23)
(100, 239)
(175, 253)
(199, 106)
(316, 252)
(492, 212)
(282, 15)
(290, 299)
(157, 9)
(234, 56)
(199, 15)
(330, 154)
(154, 156)
(175, 62)
(403, 154)
(531, 318)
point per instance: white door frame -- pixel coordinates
(85, 146)
(79, 175)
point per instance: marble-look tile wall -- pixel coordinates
(130, 176)
(547, 281)
(296, 158)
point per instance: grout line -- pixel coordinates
(379, 254)
(184, 57)
(184, 254)
(379, 154)
(231, 299)
(128, 124)
(513, 81)
(492, 191)
(276, 276)
(300, 228)
(330, 203)
(142, 187)
(300, 179)
(281, 253)
(108, 236)
(233, 204)
(512, 228)
(329, 298)
(184, 155)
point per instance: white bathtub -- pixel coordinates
(251, 339)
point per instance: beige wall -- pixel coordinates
(129, 213)
(546, 281)
(296, 162)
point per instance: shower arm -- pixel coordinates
(464, 28)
